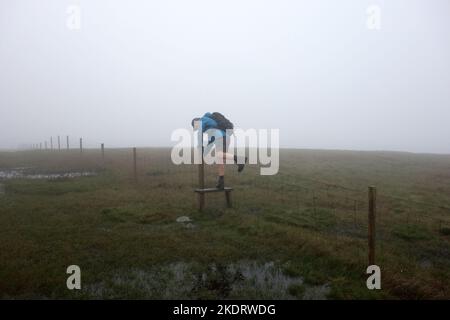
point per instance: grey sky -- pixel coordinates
(136, 70)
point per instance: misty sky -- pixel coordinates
(137, 70)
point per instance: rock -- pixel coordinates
(183, 219)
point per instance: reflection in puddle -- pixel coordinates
(241, 280)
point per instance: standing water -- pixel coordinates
(21, 173)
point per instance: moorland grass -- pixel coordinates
(309, 221)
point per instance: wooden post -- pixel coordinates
(67, 142)
(51, 143)
(134, 164)
(372, 212)
(81, 145)
(228, 198)
(103, 151)
(59, 144)
(201, 182)
(314, 203)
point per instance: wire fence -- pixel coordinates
(328, 210)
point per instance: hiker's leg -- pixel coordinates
(225, 156)
(220, 170)
(221, 164)
(220, 175)
(222, 149)
(229, 156)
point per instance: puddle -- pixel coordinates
(264, 280)
(241, 280)
(21, 173)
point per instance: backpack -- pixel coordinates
(222, 122)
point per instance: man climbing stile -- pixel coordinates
(219, 130)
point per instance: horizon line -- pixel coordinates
(281, 148)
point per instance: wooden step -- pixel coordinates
(208, 190)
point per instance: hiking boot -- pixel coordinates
(220, 183)
(240, 165)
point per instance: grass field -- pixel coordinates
(300, 234)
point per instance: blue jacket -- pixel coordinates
(209, 123)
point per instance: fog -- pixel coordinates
(134, 71)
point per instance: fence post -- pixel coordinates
(201, 181)
(67, 142)
(134, 164)
(314, 202)
(372, 212)
(103, 151)
(81, 145)
(51, 143)
(59, 144)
